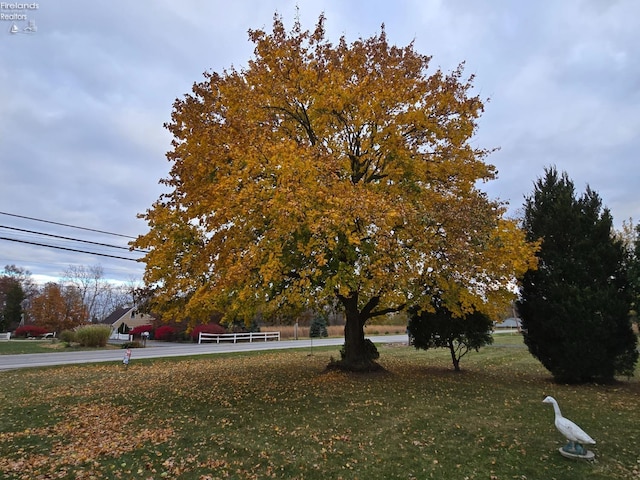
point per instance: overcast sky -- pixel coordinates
(85, 88)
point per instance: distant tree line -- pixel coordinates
(81, 296)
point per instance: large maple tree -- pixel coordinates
(325, 174)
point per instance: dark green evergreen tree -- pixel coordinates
(440, 329)
(11, 297)
(575, 306)
(318, 327)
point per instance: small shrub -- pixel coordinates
(165, 333)
(209, 328)
(30, 331)
(183, 337)
(93, 335)
(370, 352)
(68, 336)
(440, 329)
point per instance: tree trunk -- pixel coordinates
(454, 358)
(354, 348)
(359, 354)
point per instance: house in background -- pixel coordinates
(124, 319)
(513, 323)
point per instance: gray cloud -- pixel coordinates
(83, 100)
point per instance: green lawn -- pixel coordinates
(280, 415)
(20, 346)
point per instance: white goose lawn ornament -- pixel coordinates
(572, 432)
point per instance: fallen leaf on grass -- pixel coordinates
(87, 432)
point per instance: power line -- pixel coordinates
(67, 225)
(68, 249)
(72, 239)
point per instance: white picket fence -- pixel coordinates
(235, 337)
(120, 336)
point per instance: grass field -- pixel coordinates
(21, 346)
(281, 415)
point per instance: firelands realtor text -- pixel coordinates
(16, 11)
(19, 6)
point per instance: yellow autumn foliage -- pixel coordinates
(324, 173)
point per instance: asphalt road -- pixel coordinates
(160, 350)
